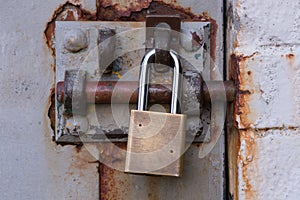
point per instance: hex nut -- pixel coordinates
(75, 40)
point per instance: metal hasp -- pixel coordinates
(162, 34)
(104, 55)
(156, 140)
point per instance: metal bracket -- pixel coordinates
(96, 85)
(162, 34)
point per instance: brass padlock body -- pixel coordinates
(155, 143)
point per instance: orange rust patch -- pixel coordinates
(49, 114)
(112, 13)
(113, 154)
(83, 160)
(110, 187)
(51, 108)
(80, 162)
(108, 11)
(247, 160)
(291, 59)
(126, 8)
(232, 149)
(290, 56)
(242, 77)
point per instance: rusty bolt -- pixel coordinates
(75, 40)
(77, 125)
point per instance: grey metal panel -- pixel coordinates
(32, 166)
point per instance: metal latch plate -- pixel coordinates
(109, 122)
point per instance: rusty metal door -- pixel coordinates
(42, 169)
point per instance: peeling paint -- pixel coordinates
(241, 77)
(51, 110)
(129, 9)
(233, 146)
(245, 156)
(111, 12)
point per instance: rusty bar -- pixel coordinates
(217, 89)
(127, 92)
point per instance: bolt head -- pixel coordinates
(75, 40)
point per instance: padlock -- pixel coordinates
(156, 140)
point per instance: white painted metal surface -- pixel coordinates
(265, 36)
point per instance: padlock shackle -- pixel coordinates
(144, 82)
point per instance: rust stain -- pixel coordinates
(107, 183)
(247, 160)
(112, 182)
(78, 163)
(108, 11)
(113, 13)
(113, 154)
(153, 188)
(65, 12)
(290, 58)
(51, 109)
(196, 41)
(83, 160)
(233, 146)
(125, 8)
(241, 77)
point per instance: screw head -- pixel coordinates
(75, 40)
